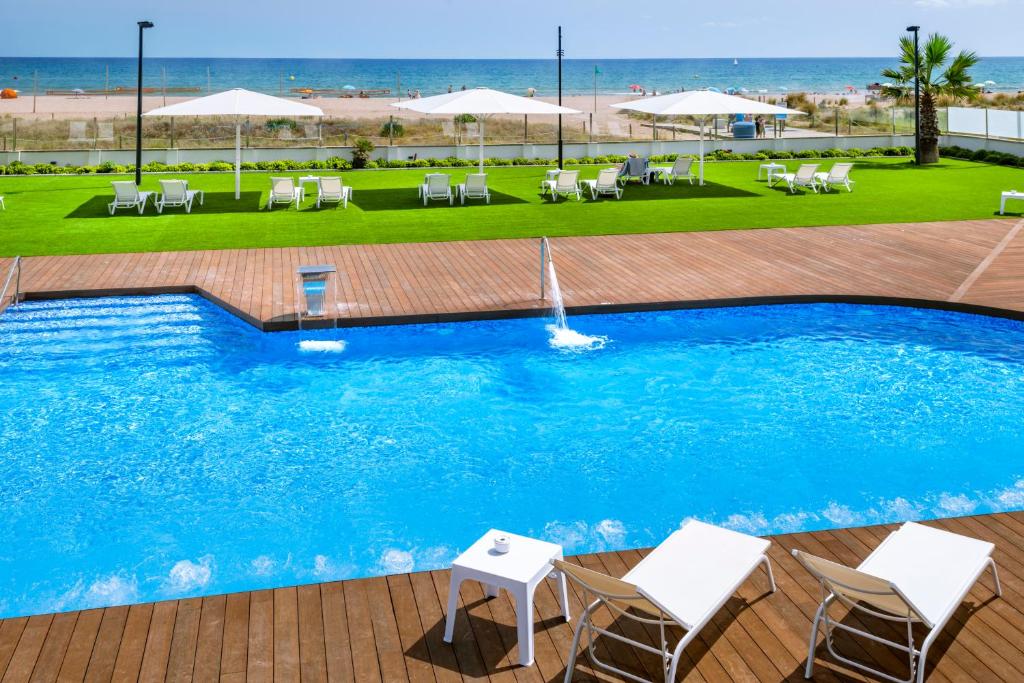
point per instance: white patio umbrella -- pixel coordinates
(481, 102)
(237, 103)
(701, 104)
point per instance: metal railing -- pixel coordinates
(13, 273)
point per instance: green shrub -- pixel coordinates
(854, 152)
(980, 155)
(110, 167)
(806, 154)
(220, 166)
(361, 150)
(369, 164)
(392, 129)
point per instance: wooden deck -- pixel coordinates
(967, 263)
(389, 629)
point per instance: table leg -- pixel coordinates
(490, 591)
(453, 604)
(524, 622)
(1002, 206)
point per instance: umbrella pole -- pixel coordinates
(238, 159)
(481, 144)
(702, 151)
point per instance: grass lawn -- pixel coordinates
(68, 214)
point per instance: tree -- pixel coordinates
(940, 77)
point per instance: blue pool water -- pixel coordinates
(157, 447)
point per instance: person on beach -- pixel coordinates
(463, 87)
(759, 127)
(449, 88)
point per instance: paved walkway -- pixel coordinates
(979, 263)
(390, 628)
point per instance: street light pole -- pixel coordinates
(143, 25)
(917, 95)
(560, 53)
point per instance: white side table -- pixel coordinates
(519, 571)
(771, 169)
(550, 175)
(1010, 194)
(301, 187)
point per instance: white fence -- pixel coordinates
(988, 123)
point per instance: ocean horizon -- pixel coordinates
(432, 76)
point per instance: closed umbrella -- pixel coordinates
(701, 104)
(237, 103)
(481, 102)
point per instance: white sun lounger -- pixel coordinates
(438, 186)
(283, 191)
(565, 184)
(684, 582)
(127, 196)
(839, 174)
(918, 575)
(606, 183)
(679, 169)
(635, 168)
(805, 176)
(330, 190)
(475, 187)
(176, 193)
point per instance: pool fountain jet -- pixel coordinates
(562, 336)
(315, 294)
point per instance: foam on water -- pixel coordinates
(322, 345)
(567, 339)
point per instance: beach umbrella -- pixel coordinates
(237, 103)
(348, 87)
(712, 89)
(990, 82)
(481, 102)
(634, 87)
(701, 104)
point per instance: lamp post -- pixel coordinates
(560, 53)
(917, 96)
(143, 25)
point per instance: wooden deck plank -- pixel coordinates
(210, 641)
(158, 642)
(133, 643)
(260, 649)
(336, 637)
(108, 644)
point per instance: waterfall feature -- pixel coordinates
(562, 336)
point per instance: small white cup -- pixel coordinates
(502, 544)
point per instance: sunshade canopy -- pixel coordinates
(237, 103)
(701, 103)
(482, 101)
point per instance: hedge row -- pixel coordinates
(991, 157)
(339, 164)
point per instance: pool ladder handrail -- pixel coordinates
(13, 272)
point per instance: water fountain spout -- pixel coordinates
(562, 336)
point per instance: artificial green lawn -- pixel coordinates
(68, 214)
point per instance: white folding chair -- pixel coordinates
(805, 176)
(606, 183)
(680, 168)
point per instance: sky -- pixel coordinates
(474, 29)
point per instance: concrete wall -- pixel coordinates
(974, 142)
(573, 150)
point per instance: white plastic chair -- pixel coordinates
(606, 183)
(438, 187)
(176, 193)
(918, 575)
(683, 582)
(330, 190)
(567, 183)
(283, 191)
(475, 187)
(127, 196)
(805, 176)
(839, 174)
(679, 169)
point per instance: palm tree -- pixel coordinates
(939, 76)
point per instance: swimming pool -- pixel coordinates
(157, 447)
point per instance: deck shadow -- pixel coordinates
(399, 199)
(213, 202)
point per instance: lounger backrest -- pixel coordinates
(282, 187)
(619, 593)
(125, 191)
(851, 586)
(476, 183)
(682, 165)
(635, 166)
(567, 180)
(438, 184)
(330, 185)
(173, 190)
(806, 171)
(839, 172)
(606, 177)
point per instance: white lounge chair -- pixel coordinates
(606, 183)
(635, 168)
(475, 187)
(2, 205)
(176, 193)
(283, 191)
(679, 169)
(438, 186)
(805, 176)
(127, 196)
(918, 575)
(330, 190)
(567, 183)
(683, 582)
(839, 174)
